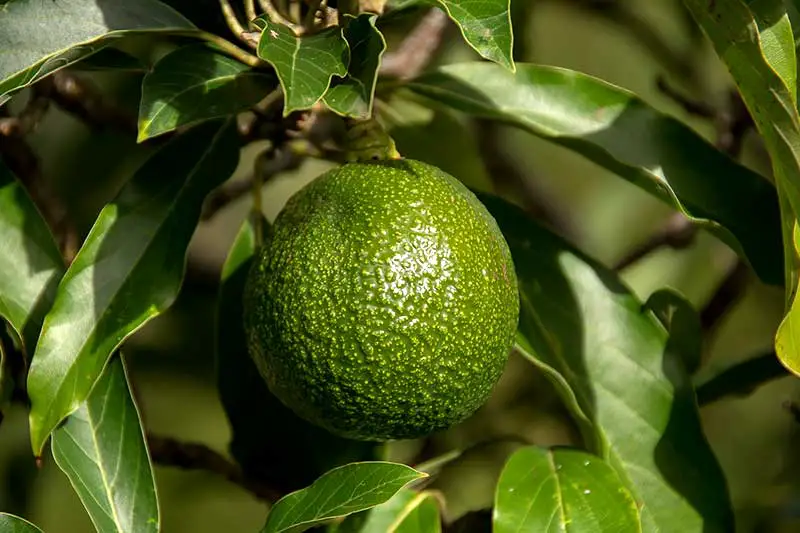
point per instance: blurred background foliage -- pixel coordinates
(629, 43)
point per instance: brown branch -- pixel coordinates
(270, 163)
(678, 232)
(693, 107)
(418, 48)
(78, 96)
(167, 451)
(727, 294)
(23, 162)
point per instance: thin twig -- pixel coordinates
(741, 379)
(678, 232)
(726, 295)
(282, 160)
(418, 48)
(276, 16)
(166, 451)
(693, 107)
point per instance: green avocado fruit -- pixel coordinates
(384, 302)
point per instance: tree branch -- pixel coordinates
(741, 379)
(418, 48)
(166, 451)
(726, 295)
(678, 232)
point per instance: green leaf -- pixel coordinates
(195, 83)
(305, 65)
(30, 265)
(758, 48)
(682, 323)
(128, 270)
(407, 511)
(562, 490)
(48, 36)
(14, 524)
(611, 361)
(101, 448)
(342, 491)
(352, 96)
(304, 451)
(486, 26)
(618, 131)
(110, 58)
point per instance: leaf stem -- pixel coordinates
(226, 46)
(233, 22)
(250, 9)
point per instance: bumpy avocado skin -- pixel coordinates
(384, 304)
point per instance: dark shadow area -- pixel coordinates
(270, 442)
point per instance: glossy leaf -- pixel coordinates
(619, 132)
(195, 83)
(48, 36)
(101, 449)
(14, 524)
(352, 96)
(562, 490)
(484, 24)
(407, 511)
(342, 491)
(612, 363)
(304, 451)
(128, 270)
(30, 265)
(305, 65)
(755, 42)
(683, 324)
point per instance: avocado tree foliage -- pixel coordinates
(316, 79)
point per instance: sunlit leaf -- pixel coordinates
(612, 363)
(562, 490)
(195, 83)
(46, 36)
(485, 25)
(128, 270)
(305, 64)
(30, 263)
(101, 449)
(407, 511)
(618, 131)
(352, 96)
(755, 42)
(342, 491)
(14, 524)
